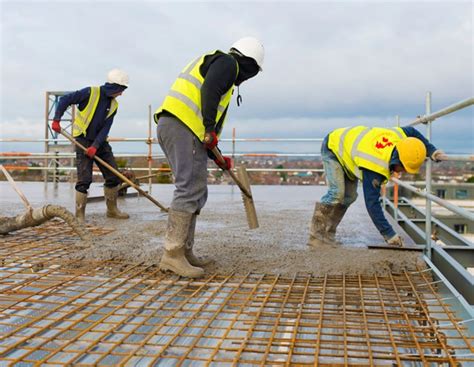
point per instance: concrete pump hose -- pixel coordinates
(39, 216)
(51, 211)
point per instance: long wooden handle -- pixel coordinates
(125, 185)
(221, 159)
(16, 188)
(115, 172)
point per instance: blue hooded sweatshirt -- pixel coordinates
(371, 182)
(100, 125)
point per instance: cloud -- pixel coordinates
(325, 61)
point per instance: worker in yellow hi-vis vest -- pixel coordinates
(97, 107)
(368, 154)
(190, 121)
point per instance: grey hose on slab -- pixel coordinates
(38, 216)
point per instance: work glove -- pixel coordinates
(90, 152)
(225, 166)
(210, 140)
(395, 241)
(56, 126)
(437, 154)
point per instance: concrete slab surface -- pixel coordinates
(278, 246)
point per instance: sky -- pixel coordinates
(327, 64)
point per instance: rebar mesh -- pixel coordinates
(111, 313)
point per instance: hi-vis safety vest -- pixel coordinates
(184, 98)
(364, 147)
(83, 118)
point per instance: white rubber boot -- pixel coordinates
(111, 194)
(81, 201)
(192, 258)
(174, 258)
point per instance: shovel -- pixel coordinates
(244, 188)
(115, 172)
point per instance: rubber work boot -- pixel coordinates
(174, 258)
(190, 256)
(111, 194)
(81, 201)
(336, 216)
(319, 229)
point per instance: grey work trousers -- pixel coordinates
(187, 157)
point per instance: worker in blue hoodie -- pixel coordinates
(370, 155)
(97, 107)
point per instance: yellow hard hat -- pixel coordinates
(412, 153)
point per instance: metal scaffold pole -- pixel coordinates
(46, 137)
(428, 181)
(150, 153)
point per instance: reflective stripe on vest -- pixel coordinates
(83, 118)
(364, 147)
(184, 98)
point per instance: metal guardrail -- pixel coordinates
(54, 145)
(20, 155)
(430, 117)
(444, 262)
(155, 141)
(444, 203)
(65, 168)
(443, 231)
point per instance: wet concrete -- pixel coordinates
(278, 246)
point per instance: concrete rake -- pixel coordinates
(244, 187)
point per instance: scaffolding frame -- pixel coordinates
(54, 144)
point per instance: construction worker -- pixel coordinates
(370, 155)
(190, 120)
(97, 107)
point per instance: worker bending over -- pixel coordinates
(370, 155)
(190, 120)
(97, 107)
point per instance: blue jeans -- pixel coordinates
(342, 190)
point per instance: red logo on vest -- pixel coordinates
(385, 143)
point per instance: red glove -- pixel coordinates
(56, 126)
(210, 140)
(90, 152)
(228, 163)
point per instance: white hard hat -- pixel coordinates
(250, 47)
(118, 76)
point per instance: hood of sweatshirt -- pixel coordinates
(112, 88)
(248, 68)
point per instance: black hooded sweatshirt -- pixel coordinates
(220, 73)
